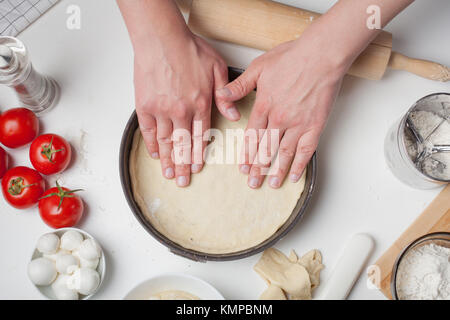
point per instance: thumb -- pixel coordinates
(233, 91)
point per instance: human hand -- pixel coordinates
(175, 79)
(297, 83)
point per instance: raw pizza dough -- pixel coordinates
(273, 292)
(218, 213)
(276, 269)
(289, 277)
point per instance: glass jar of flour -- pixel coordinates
(417, 147)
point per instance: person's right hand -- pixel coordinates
(175, 78)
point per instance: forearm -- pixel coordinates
(152, 21)
(346, 24)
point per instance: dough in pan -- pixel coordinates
(218, 213)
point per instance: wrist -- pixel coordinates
(319, 45)
(153, 22)
(148, 40)
(329, 42)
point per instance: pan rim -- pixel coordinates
(174, 247)
(125, 179)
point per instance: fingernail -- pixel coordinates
(155, 155)
(233, 113)
(294, 177)
(253, 182)
(224, 92)
(169, 173)
(245, 169)
(195, 168)
(181, 181)
(274, 182)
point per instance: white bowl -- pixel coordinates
(174, 281)
(47, 291)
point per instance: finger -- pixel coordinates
(253, 134)
(182, 149)
(164, 137)
(267, 150)
(236, 90)
(285, 156)
(147, 124)
(306, 147)
(200, 126)
(226, 108)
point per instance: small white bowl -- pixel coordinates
(47, 291)
(174, 281)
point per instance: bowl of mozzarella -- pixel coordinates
(67, 264)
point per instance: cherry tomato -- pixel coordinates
(50, 154)
(22, 187)
(18, 127)
(3, 162)
(60, 208)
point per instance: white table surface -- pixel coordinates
(355, 190)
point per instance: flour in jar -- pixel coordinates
(424, 274)
(434, 129)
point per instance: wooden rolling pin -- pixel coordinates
(263, 24)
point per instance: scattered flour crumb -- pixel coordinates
(154, 205)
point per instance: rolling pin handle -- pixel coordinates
(423, 68)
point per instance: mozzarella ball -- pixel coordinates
(54, 256)
(48, 243)
(71, 240)
(84, 280)
(42, 271)
(84, 263)
(66, 263)
(91, 264)
(62, 292)
(90, 250)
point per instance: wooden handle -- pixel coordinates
(426, 69)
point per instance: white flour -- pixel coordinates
(435, 130)
(424, 274)
(425, 122)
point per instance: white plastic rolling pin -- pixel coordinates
(348, 268)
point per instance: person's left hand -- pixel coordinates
(297, 84)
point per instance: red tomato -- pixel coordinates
(22, 187)
(18, 127)
(3, 162)
(50, 154)
(60, 207)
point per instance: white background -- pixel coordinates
(355, 190)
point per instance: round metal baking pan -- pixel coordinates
(297, 213)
